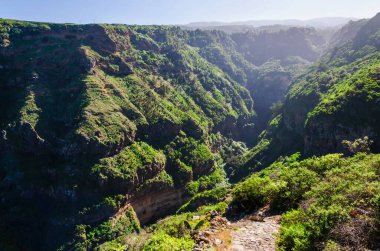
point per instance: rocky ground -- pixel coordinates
(254, 232)
(248, 234)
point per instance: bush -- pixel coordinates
(87, 236)
(282, 186)
(358, 145)
(205, 198)
(188, 159)
(324, 163)
(255, 192)
(332, 246)
(298, 181)
(337, 199)
(206, 182)
(296, 236)
(377, 206)
(339, 210)
(201, 159)
(163, 242)
(293, 233)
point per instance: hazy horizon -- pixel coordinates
(183, 12)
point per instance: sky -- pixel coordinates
(181, 11)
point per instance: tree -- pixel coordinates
(358, 145)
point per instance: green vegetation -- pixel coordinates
(173, 231)
(166, 242)
(333, 101)
(206, 182)
(179, 227)
(328, 200)
(96, 118)
(95, 111)
(282, 185)
(192, 161)
(208, 197)
(110, 230)
(130, 168)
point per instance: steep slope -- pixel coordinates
(329, 202)
(91, 112)
(336, 99)
(265, 62)
(345, 87)
(104, 127)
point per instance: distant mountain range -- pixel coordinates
(317, 22)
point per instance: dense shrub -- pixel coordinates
(338, 211)
(205, 198)
(206, 182)
(358, 145)
(88, 237)
(166, 242)
(188, 159)
(281, 186)
(333, 201)
(173, 232)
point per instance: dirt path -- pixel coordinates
(254, 235)
(247, 234)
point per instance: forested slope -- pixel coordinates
(336, 99)
(103, 122)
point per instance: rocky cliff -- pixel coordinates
(93, 113)
(335, 99)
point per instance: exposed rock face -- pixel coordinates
(296, 110)
(30, 138)
(119, 184)
(94, 112)
(158, 203)
(268, 90)
(326, 137)
(334, 100)
(349, 116)
(87, 114)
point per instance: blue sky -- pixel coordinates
(181, 11)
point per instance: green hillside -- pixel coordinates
(336, 99)
(107, 129)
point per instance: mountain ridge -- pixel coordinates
(322, 22)
(106, 126)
